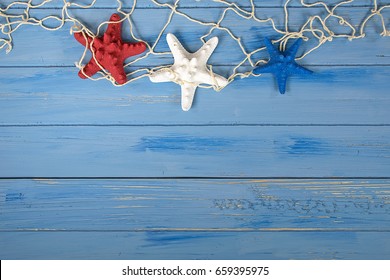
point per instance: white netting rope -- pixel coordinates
(316, 27)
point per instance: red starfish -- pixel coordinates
(110, 51)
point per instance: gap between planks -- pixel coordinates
(200, 178)
(197, 125)
(205, 230)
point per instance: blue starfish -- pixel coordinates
(282, 64)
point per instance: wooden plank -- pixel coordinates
(333, 95)
(159, 151)
(189, 245)
(34, 46)
(266, 205)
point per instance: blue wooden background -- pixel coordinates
(92, 171)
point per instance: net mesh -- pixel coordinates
(329, 22)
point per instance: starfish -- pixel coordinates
(109, 50)
(189, 70)
(282, 64)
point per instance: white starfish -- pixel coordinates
(189, 70)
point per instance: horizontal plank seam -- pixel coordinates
(195, 178)
(195, 125)
(205, 230)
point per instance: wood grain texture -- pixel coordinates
(157, 151)
(189, 245)
(333, 95)
(266, 205)
(334, 124)
(194, 219)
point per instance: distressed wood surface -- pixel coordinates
(156, 151)
(334, 95)
(198, 245)
(91, 171)
(195, 205)
(206, 219)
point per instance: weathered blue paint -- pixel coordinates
(243, 245)
(336, 123)
(182, 143)
(256, 151)
(14, 197)
(336, 95)
(161, 239)
(306, 146)
(196, 205)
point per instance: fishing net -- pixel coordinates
(316, 22)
